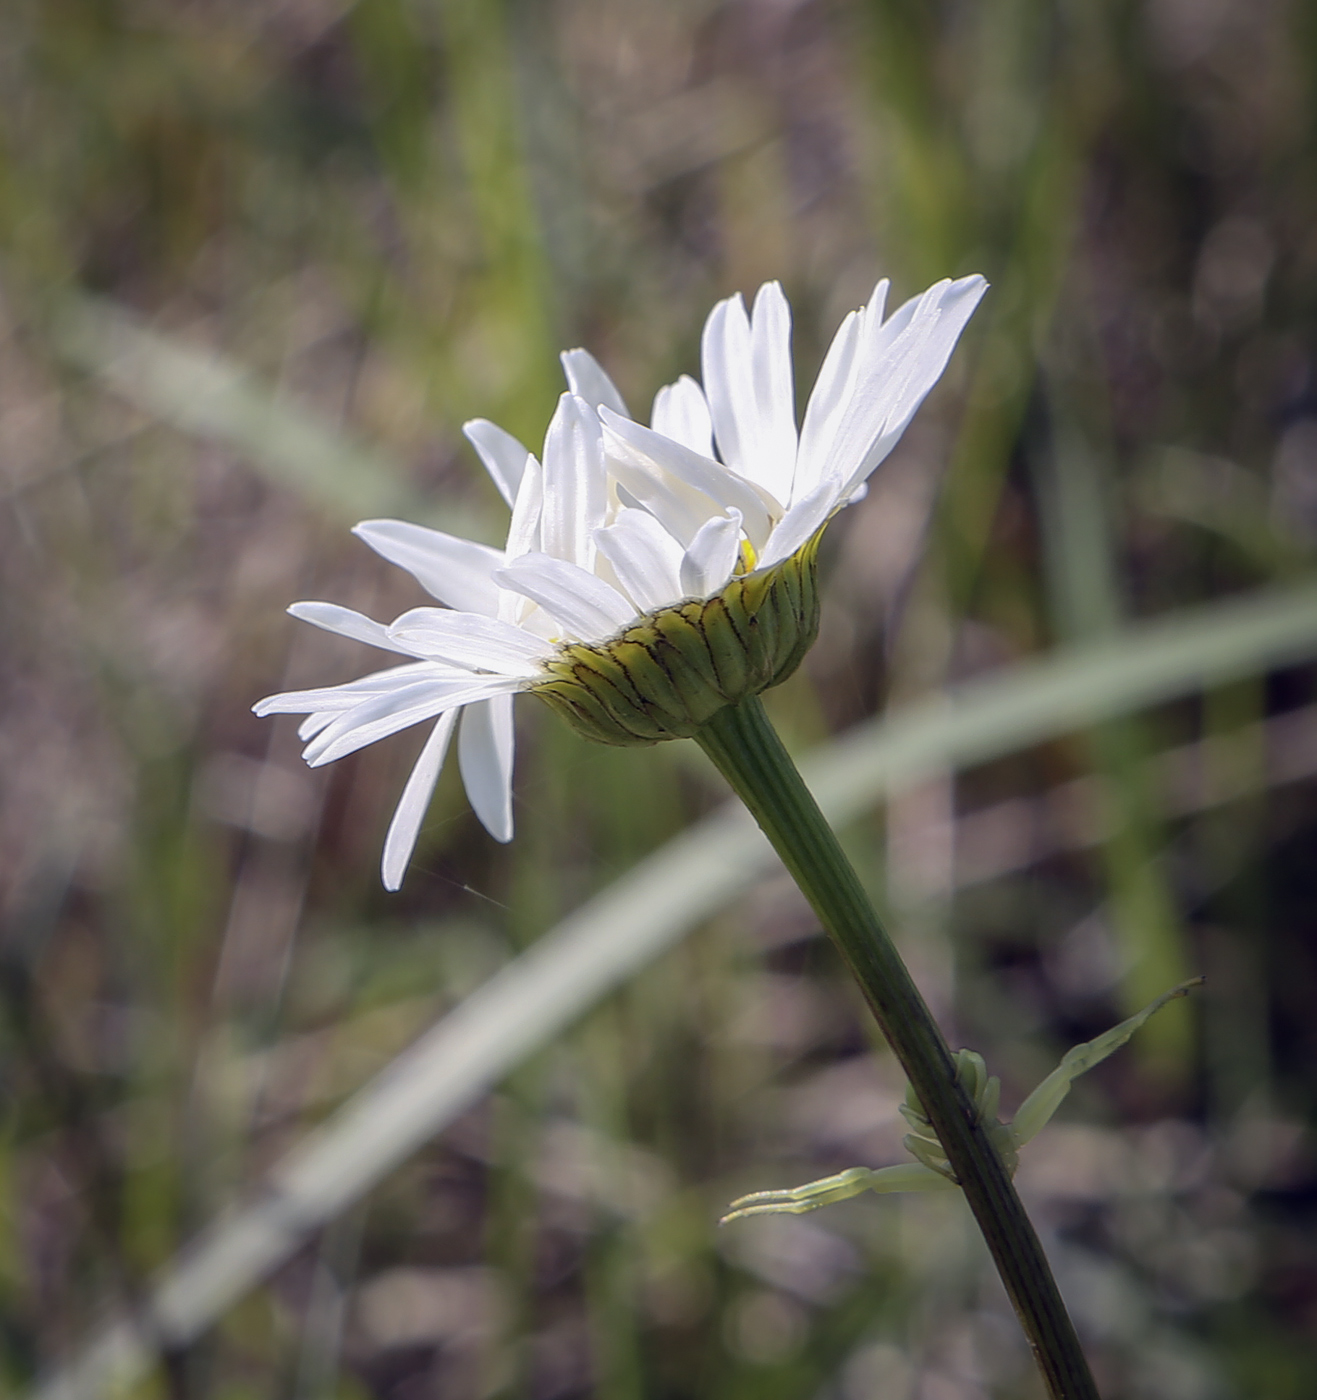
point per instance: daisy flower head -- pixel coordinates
(651, 575)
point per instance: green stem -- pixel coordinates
(742, 742)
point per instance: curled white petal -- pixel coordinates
(728, 380)
(504, 457)
(399, 709)
(799, 523)
(345, 623)
(527, 513)
(587, 608)
(831, 396)
(645, 558)
(314, 723)
(748, 381)
(484, 754)
(730, 490)
(889, 390)
(336, 698)
(400, 841)
(712, 556)
(456, 571)
(471, 641)
(588, 380)
(575, 483)
(639, 482)
(681, 412)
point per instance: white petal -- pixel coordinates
(827, 404)
(588, 380)
(681, 412)
(888, 393)
(645, 558)
(728, 382)
(345, 623)
(414, 802)
(524, 530)
(800, 522)
(586, 607)
(454, 570)
(679, 508)
(504, 457)
(386, 714)
(775, 391)
(877, 333)
(338, 698)
(314, 723)
(575, 482)
(729, 490)
(466, 639)
(748, 381)
(877, 303)
(712, 556)
(484, 753)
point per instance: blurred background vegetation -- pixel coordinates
(258, 261)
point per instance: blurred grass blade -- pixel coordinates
(202, 393)
(1070, 689)
(639, 916)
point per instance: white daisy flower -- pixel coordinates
(651, 575)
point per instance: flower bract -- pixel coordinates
(650, 574)
(930, 1171)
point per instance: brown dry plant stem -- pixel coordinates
(743, 744)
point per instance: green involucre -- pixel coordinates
(665, 676)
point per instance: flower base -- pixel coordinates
(667, 675)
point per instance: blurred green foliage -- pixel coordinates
(391, 214)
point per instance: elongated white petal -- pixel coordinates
(400, 841)
(588, 380)
(469, 640)
(527, 512)
(484, 754)
(337, 698)
(728, 380)
(799, 523)
(775, 391)
(575, 483)
(454, 570)
(681, 412)
(645, 558)
(587, 608)
(712, 556)
(954, 308)
(383, 715)
(827, 404)
(748, 381)
(523, 538)
(843, 364)
(879, 388)
(314, 723)
(875, 308)
(345, 623)
(877, 333)
(679, 508)
(729, 490)
(374, 717)
(888, 394)
(504, 457)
